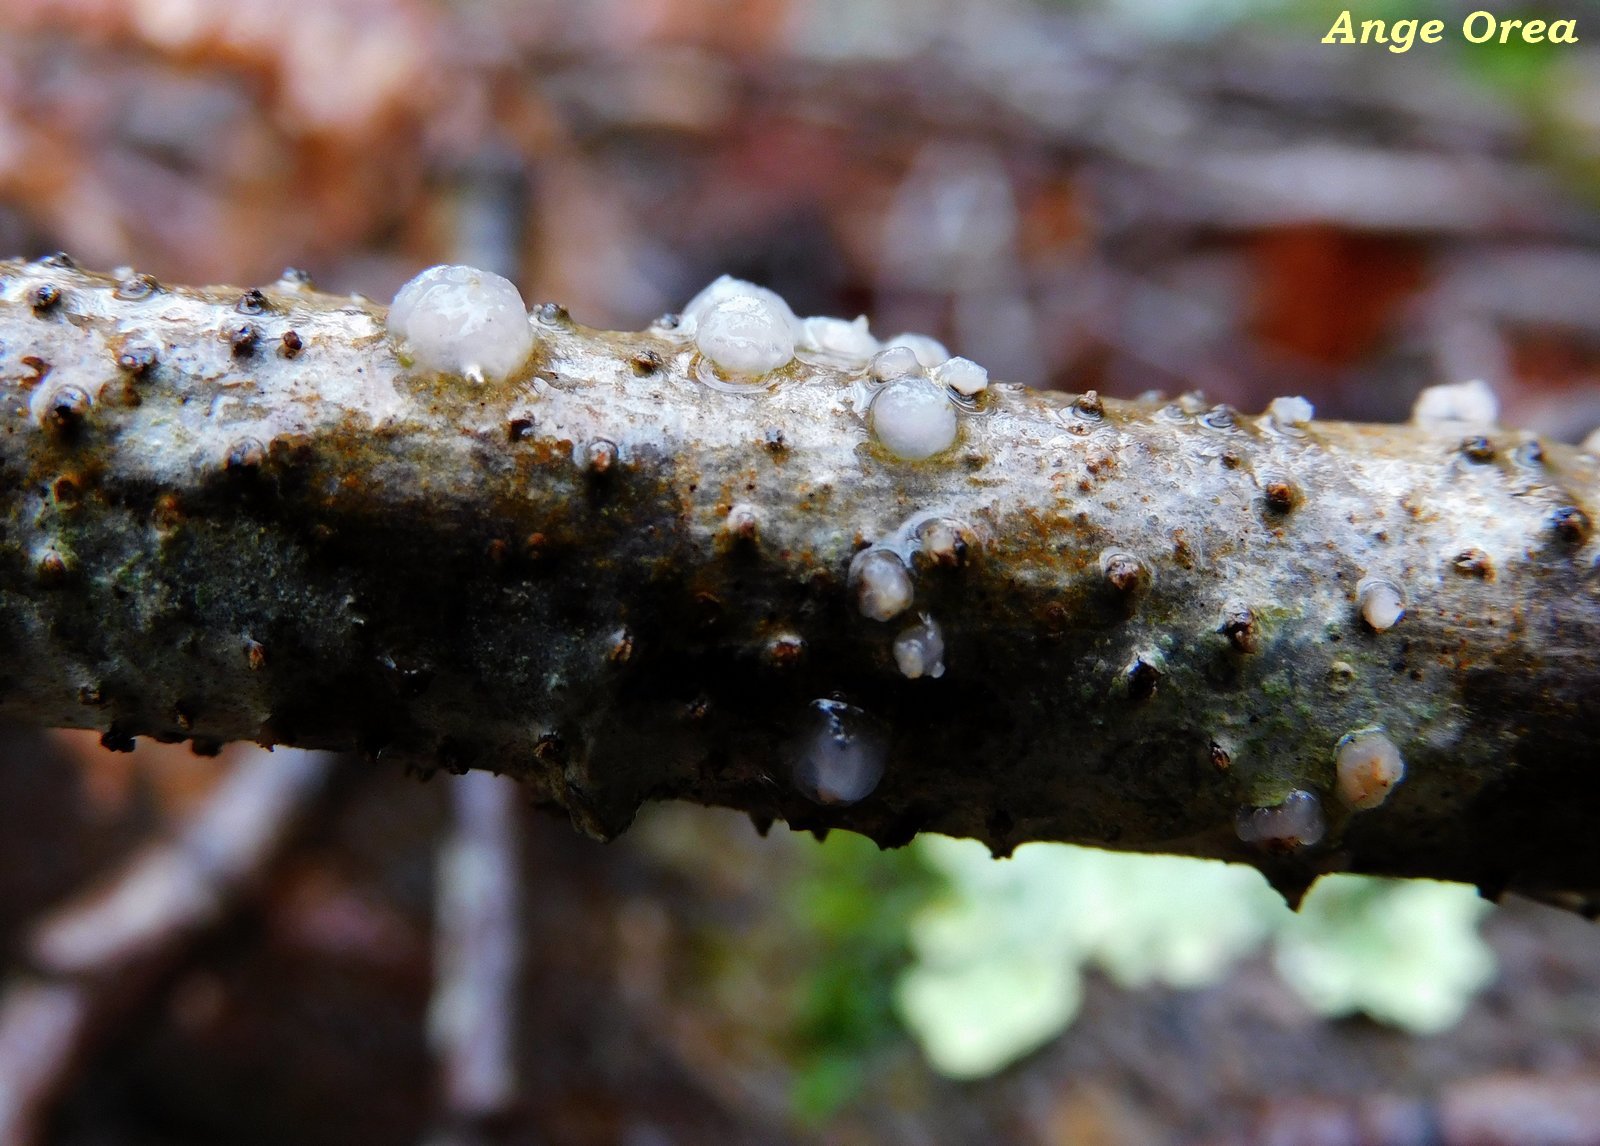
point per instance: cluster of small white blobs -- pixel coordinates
(913, 418)
(1291, 411)
(839, 757)
(462, 320)
(1366, 766)
(1381, 603)
(1295, 822)
(962, 375)
(919, 650)
(882, 584)
(1456, 404)
(930, 352)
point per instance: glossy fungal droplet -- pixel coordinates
(919, 649)
(848, 342)
(913, 418)
(839, 757)
(746, 335)
(291, 344)
(720, 290)
(1290, 411)
(461, 320)
(1366, 766)
(1457, 403)
(1295, 822)
(881, 583)
(962, 375)
(929, 351)
(1381, 603)
(894, 362)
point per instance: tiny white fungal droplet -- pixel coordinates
(919, 649)
(460, 320)
(1457, 403)
(1290, 411)
(882, 584)
(747, 335)
(1381, 602)
(849, 342)
(840, 756)
(1367, 765)
(930, 352)
(914, 418)
(894, 362)
(1296, 822)
(962, 375)
(725, 287)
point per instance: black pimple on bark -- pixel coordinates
(775, 441)
(136, 288)
(1142, 680)
(137, 360)
(1477, 449)
(59, 259)
(67, 409)
(252, 301)
(1088, 405)
(1281, 495)
(519, 429)
(246, 456)
(296, 276)
(551, 313)
(1239, 626)
(291, 343)
(244, 340)
(116, 739)
(645, 363)
(52, 570)
(1571, 524)
(45, 298)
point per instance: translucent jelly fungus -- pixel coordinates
(894, 362)
(914, 418)
(1381, 603)
(460, 320)
(1366, 766)
(839, 757)
(726, 287)
(1295, 822)
(919, 649)
(962, 375)
(848, 342)
(747, 335)
(1290, 411)
(930, 352)
(1457, 403)
(882, 584)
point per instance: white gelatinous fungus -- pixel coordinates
(919, 649)
(894, 362)
(850, 343)
(882, 584)
(962, 375)
(1381, 603)
(1290, 411)
(839, 757)
(914, 418)
(1456, 404)
(746, 335)
(1366, 766)
(1294, 822)
(462, 320)
(930, 351)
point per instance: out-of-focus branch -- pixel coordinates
(96, 956)
(238, 515)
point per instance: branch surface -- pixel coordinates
(237, 515)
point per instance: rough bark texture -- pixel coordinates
(238, 515)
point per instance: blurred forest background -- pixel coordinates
(1125, 195)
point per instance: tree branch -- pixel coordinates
(619, 577)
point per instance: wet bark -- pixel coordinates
(237, 515)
